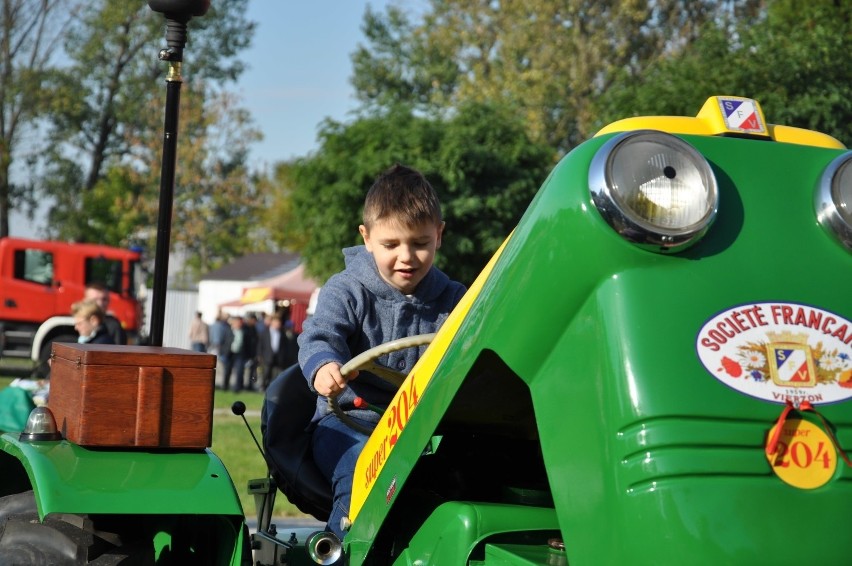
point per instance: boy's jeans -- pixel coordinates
(336, 449)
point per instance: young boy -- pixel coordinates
(388, 290)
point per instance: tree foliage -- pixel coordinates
(216, 201)
(30, 31)
(480, 161)
(102, 167)
(797, 65)
(277, 208)
(791, 57)
(549, 59)
(480, 95)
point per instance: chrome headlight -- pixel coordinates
(654, 189)
(834, 199)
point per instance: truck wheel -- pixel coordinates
(42, 370)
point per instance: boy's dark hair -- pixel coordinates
(404, 194)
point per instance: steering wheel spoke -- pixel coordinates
(391, 376)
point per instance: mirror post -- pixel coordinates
(177, 13)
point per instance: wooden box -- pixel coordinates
(132, 396)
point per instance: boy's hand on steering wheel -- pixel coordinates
(329, 382)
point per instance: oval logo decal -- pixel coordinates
(779, 352)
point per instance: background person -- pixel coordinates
(221, 337)
(250, 339)
(199, 334)
(89, 323)
(243, 350)
(276, 349)
(99, 294)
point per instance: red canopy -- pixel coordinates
(292, 285)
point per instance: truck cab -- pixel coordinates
(40, 280)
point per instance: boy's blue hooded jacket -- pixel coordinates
(357, 310)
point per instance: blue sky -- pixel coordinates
(300, 68)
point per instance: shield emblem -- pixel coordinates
(791, 364)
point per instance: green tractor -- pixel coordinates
(654, 368)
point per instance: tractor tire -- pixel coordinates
(26, 540)
(64, 540)
(16, 504)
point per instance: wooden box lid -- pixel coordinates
(109, 354)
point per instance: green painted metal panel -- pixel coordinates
(452, 532)
(521, 555)
(70, 479)
(651, 457)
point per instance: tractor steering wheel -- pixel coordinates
(367, 361)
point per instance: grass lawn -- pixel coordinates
(233, 444)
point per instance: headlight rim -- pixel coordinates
(826, 208)
(630, 225)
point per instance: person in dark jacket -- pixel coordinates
(250, 349)
(242, 356)
(235, 364)
(276, 349)
(98, 293)
(389, 289)
(89, 323)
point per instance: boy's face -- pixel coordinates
(403, 254)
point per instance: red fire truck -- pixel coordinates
(40, 280)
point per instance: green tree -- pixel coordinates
(216, 200)
(103, 119)
(277, 213)
(480, 161)
(573, 66)
(796, 63)
(30, 31)
(548, 59)
(790, 56)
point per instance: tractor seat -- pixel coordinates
(288, 408)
